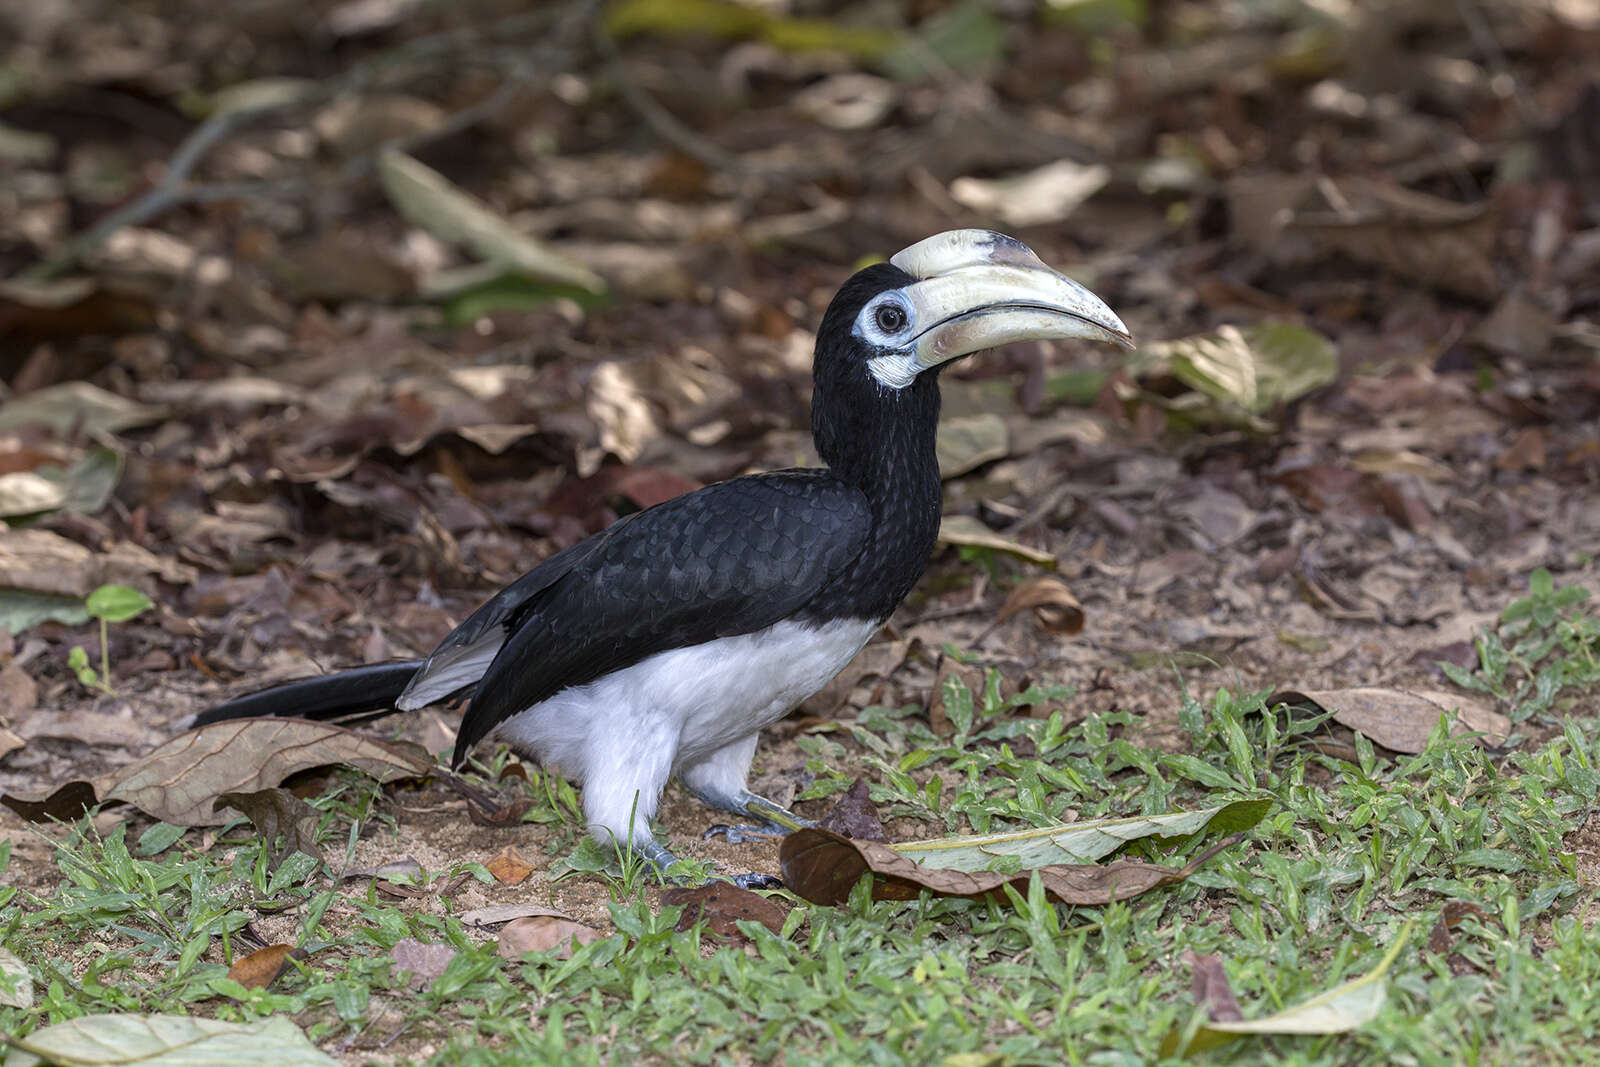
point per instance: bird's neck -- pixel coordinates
(883, 444)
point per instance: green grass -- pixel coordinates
(1350, 853)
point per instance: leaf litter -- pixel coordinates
(307, 473)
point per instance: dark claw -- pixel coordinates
(756, 881)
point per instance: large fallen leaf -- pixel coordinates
(555, 934)
(966, 442)
(429, 199)
(823, 867)
(167, 1041)
(1339, 1010)
(22, 610)
(75, 405)
(964, 531)
(181, 781)
(40, 562)
(1079, 842)
(1047, 194)
(1423, 239)
(24, 493)
(16, 981)
(1401, 719)
(260, 968)
(1054, 607)
(723, 906)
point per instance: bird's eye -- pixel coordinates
(891, 318)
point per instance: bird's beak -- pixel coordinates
(979, 289)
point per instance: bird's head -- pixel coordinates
(961, 292)
(944, 297)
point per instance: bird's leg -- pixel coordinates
(619, 804)
(718, 781)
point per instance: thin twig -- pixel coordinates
(663, 122)
(171, 191)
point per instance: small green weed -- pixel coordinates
(109, 603)
(1543, 648)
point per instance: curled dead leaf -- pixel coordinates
(62, 804)
(509, 867)
(277, 811)
(181, 781)
(261, 967)
(1054, 607)
(854, 815)
(823, 867)
(555, 934)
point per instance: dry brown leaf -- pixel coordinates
(1422, 238)
(1211, 987)
(1401, 719)
(424, 961)
(823, 867)
(1526, 453)
(555, 934)
(722, 906)
(19, 693)
(968, 532)
(277, 811)
(9, 742)
(39, 561)
(1441, 939)
(509, 867)
(87, 727)
(180, 781)
(1054, 607)
(61, 804)
(854, 815)
(257, 970)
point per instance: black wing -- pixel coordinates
(728, 559)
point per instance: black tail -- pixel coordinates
(364, 692)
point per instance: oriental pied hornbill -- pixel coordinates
(662, 645)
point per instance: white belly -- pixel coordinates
(676, 708)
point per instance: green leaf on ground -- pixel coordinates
(117, 603)
(167, 1041)
(1082, 842)
(1339, 1010)
(430, 200)
(1246, 371)
(22, 610)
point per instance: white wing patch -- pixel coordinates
(452, 670)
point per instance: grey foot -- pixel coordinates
(754, 880)
(744, 802)
(736, 834)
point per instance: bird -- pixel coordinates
(663, 645)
